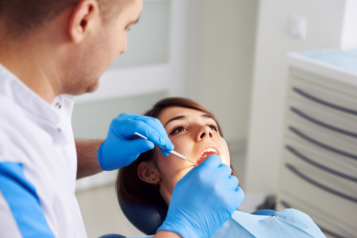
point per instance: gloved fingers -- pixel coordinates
(212, 161)
(238, 196)
(158, 127)
(240, 193)
(234, 198)
(154, 123)
(164, 152)
(145, 130)
(224, 170)
(143, 145)
(232, 183)
(124, 116)
(148, 131)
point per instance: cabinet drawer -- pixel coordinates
(324, 122)
(318, 163)
(333, 102)
(331, 227)
(334, 195)
(324, 143)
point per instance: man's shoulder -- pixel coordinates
(10, 114)
(13, 128)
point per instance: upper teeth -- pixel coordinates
(207, 150)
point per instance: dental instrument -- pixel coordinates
(171, 152)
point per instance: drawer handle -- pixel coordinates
(327, 147)
(315, 99)
(319, 185)
(320, 123)
(318, 165)
(324, 230)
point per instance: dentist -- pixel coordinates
(54, 47)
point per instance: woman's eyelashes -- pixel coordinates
(213, 127)
(179, 128)
(182, 128)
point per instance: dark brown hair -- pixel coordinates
(129, 186)
(21, 16)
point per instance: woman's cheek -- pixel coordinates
(170, 166)
(226, 159)
(181, 175)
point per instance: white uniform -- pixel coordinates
(38, 164)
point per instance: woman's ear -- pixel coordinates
(147, 173)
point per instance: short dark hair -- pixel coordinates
(21, 16)
(129, 186)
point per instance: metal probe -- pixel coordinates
(171, 152)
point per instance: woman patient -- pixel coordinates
(196, 134)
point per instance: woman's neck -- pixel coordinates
(166, 194)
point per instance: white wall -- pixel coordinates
(349, 32)
(223, 60)
(325, 24)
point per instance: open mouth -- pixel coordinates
(205, 154)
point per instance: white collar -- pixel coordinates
(45, 114)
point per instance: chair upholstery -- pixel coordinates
(112, 236)
(148, 218)
(145, 217)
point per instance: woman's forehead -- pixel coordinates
(180, 113)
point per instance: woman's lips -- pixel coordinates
(204, 153)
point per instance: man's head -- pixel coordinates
(71, 41)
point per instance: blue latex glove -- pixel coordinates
(203, 200)
(122, 146)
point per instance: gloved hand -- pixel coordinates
(203, 200)
(122, 146)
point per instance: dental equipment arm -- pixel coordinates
(203, 200)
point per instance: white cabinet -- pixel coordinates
(318, 173)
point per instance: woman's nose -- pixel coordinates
(205, 132)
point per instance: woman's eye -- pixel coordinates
(178, 129)
(213, 127)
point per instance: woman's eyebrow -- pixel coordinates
(207, 116)
(175, 118)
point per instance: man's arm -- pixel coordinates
(167, 234)
(87, 157)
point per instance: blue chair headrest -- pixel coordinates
(112, 236)
(148, 218)
(145, 217)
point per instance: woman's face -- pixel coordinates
(196, 136)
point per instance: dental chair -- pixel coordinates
(148, 218)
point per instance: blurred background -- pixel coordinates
(232, 56)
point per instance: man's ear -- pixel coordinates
(85, 16)
(147, 173)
